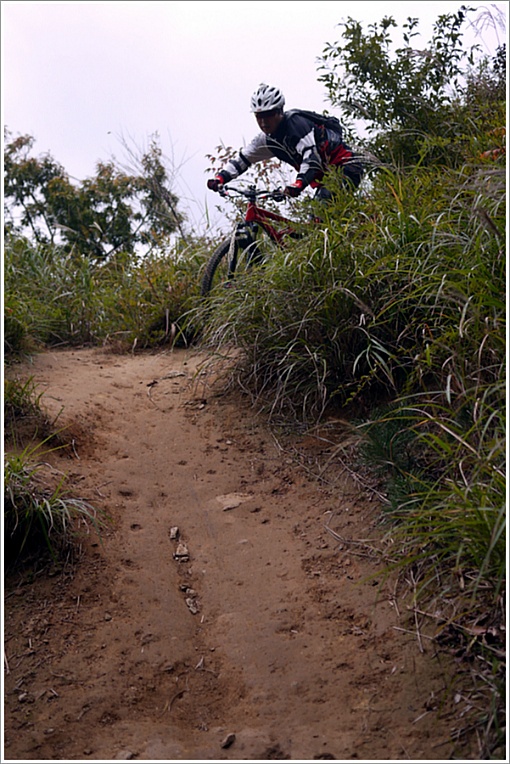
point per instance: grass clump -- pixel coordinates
(40, 518)
(21, 399)
(25, 419)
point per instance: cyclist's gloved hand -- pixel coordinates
(214, 183)
(294, 189)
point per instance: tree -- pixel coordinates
(411, 101)
(25, 181)
(111, 211)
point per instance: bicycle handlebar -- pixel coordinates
(252, 193)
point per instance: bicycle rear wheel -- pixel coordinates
(226, 261)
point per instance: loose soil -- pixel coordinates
(233, 609)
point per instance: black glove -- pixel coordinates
(294, 189)
(214, 183)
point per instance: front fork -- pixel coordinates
(243, 238)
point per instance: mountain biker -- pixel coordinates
(297, 140)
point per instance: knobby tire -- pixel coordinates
(213, 264)
(243, 258)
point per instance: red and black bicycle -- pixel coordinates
(244, 248)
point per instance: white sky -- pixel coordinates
(79, 76)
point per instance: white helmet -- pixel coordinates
(266, 98)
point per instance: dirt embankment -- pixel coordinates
(219, 618)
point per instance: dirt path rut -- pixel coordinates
(219, 619)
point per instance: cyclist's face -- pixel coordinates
(268, 121)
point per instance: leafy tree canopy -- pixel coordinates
(111, 211)
(417, 105)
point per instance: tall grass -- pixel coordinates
(373, 301)
(54, 298)
(21, 399)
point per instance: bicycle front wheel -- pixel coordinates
(226, 261)
(222, 261)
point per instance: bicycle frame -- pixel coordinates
(264, 218)
(244, 237)
(255, 215)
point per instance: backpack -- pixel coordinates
(321, 120)
(329, 139)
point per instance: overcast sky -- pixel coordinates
(81, 76)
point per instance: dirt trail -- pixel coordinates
(267, 640)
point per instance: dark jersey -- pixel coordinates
(299, 142)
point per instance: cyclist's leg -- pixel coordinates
(323, 194)
(350, 178)
(351, 175)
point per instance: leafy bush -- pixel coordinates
(108, 213)
(420, 102)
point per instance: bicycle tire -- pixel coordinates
(212, 266)
(218, 269)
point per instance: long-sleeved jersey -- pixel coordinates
(306, 146)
